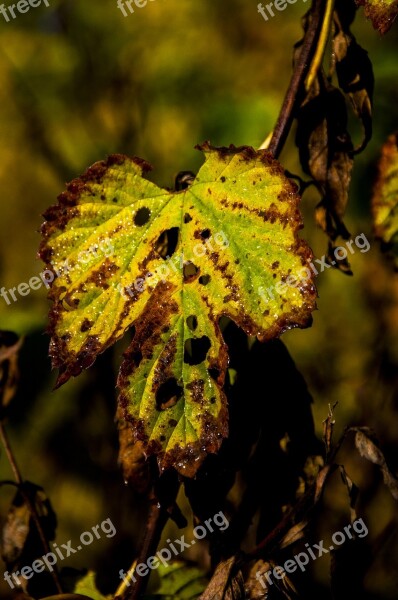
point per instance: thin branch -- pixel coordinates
(162, 507)
(304, 506)
(286, 116)
(320, 50)
(31, 505)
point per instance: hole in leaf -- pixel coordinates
(214, 374)
(167, 242)
(136, 358)
(195, 350)
(168, 394)
(205, 234)
(190, 271)
(183, 180)
(187, 218)
(204, 279)
(192, 322)
(142, 216)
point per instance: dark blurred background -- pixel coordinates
(78, 81)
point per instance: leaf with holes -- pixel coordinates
(122, 252)
(381, 12)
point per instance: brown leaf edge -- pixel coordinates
(159, 306)
(57, 217)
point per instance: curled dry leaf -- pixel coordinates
(294, 534)
(256, 584)
(179, 262)
(354, 72)
(368, 448)
(353, 492)
(258, 587)
(225, 584)
(325, 150)
(20, 537)
(385, 197)
(382, 13)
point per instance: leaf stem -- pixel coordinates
(320, 49)
(161, 509)
(286, 115)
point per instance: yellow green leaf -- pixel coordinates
(385, 196)
(171, 264)
(87, 587)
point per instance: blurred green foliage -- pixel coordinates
(79, 81)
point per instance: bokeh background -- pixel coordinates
(79, 81)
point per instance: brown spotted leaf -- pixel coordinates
(171, 264)
(382, 12)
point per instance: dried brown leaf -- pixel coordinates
(352, 490)
(20, 537)
(325, 150)
(294, 534)
(368, 448)
(225, 585)
(354, 73)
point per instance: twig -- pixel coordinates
(302, 66)
(305, 505)
(162, 507)
(28, 500)
(320, 50)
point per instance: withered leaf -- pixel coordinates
(352, 490)
(354, 73)
(382, 13)
(179, 262)
(325, 150)
(368, 448)
(294, 534)
(132, 457)
(20, 537)
(385, 197)
(224, 585)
